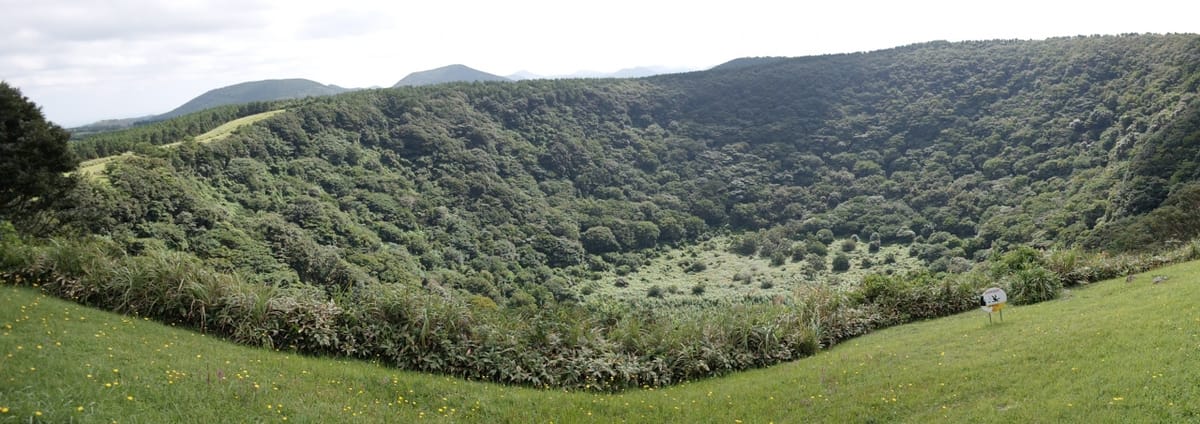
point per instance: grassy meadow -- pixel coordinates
(727, 276)
(1110, 352)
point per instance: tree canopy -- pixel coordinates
(33, 156)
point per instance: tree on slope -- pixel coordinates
(34, 157)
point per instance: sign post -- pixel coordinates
(993, 300)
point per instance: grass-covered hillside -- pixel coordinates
(1111, 352)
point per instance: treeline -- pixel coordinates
(142, 137)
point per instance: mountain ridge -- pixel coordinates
(254, 91)
(447, 74)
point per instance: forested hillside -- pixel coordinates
(526, 196)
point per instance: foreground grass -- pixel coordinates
(1112, 352)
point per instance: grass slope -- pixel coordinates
(94, 168)
(1112, 352)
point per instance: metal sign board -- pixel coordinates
(993, 300)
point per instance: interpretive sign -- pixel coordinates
(993, 299)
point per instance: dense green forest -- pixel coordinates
(506, 204)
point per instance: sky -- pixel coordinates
(87, 60)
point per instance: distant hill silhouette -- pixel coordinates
(254, 91)
(445, 74)
(746, 62)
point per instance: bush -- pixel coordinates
(694, 266)
(849, 245)
(841, 263)
(817, 248)
(778, 259)
(746, 244)
(654, 291)
(1033, 285)
(825, 236)
(698, 289)
(1018, 259)
(816, 262)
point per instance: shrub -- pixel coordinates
(1018, 259)
(766, 285)
(849, 245)
(746, 244)
(694, 266)
(825, 236)
(816, 262)
(798, 252)
(654, 291)
(817, 248)
(1033, 285)
(841, 263)
(698, 289)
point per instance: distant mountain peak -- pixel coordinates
(447, 74)
(240, 93)
(255, 91)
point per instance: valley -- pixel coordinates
(612, 239)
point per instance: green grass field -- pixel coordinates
(1111, 352)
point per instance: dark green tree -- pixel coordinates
(599, 239)
(841, 262)
(34, 156)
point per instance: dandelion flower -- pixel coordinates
(3, 409)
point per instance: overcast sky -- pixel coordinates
(86, 60)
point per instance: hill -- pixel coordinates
(233, 95)
(654, 229)
(108, 125)
(446, 74)
(1113, 352)
(254, 91)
